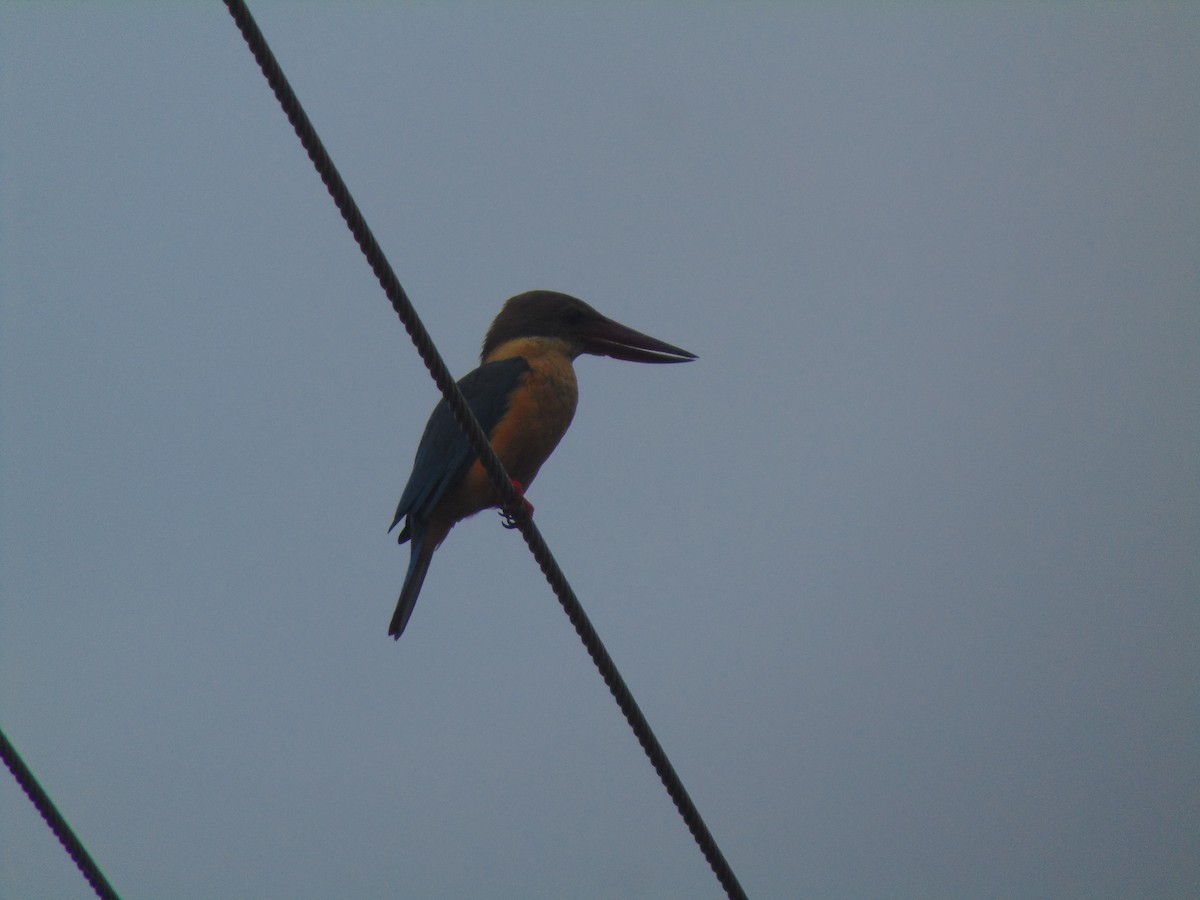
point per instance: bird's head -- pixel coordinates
(549, 314)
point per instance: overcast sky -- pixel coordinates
(904, 570)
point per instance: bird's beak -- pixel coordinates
(604, 337)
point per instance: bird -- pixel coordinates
(524, 395)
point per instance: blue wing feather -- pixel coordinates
(443, 456)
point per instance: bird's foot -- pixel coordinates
(519, 509)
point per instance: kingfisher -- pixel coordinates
(524, 395)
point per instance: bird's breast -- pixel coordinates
(539, 411)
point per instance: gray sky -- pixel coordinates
(904, 570)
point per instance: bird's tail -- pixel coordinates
(418, 565)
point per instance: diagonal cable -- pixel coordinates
(370, 247)
(480, 444)
(41, 800)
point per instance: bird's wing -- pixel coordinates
(443, 456)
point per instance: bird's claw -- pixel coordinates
(520, 508)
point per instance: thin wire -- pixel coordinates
(41, 800)
(370, 248)
(480, 445)
(632, 712)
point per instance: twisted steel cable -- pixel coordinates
(45, 806)
(480, 445)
